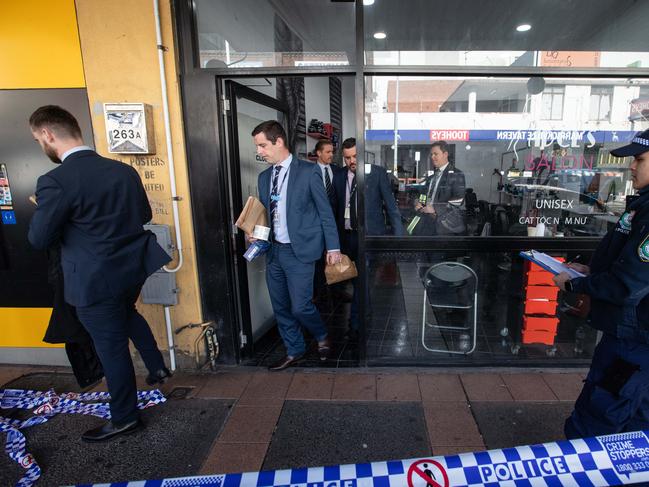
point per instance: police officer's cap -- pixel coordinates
(638, 145)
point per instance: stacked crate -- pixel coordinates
(540, 315)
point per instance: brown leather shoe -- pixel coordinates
(286, 362)
(325, 349)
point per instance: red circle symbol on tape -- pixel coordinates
(427, 473)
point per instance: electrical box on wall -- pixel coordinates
(160, 287)
(129, 128)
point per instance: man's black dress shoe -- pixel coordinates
(110, 430)
(159, 377)
(286, 362)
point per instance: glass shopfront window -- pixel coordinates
(552, 33)
(470, 307)
(265, 33)
(519, 157)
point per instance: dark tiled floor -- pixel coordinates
(178, 436)
(506, 424)
(313, 433)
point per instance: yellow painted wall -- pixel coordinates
(39, 48)
(120, 58)
(25, 327)
(39, 45)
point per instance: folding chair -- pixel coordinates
(450, 286)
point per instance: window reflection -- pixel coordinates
(265, 33)
(488, 156)
(561, 34)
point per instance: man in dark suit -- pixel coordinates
(438, 206)
(302, 226)
(379, 201)
(324, 150)
(95, 208)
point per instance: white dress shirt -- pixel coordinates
(281, 229)
(436, 180)
(326, 168)
(73, 150)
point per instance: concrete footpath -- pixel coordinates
(247, 419)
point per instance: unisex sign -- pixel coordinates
(603, 461)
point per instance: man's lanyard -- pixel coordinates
(352, 191)
(276, 196)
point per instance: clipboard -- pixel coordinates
(549, 263)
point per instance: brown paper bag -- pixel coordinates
(253, 213)
(344, 270)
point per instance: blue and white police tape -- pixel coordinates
(620, 459)
(46, 404)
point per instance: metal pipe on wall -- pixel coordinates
(167, 124)
(172, 178)
(170, 339)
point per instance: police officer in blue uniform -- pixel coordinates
(615, 397)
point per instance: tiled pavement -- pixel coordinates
(446, 399)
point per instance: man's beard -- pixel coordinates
(51, 153)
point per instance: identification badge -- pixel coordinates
(347, 213)
(261, 233)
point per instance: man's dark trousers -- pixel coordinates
(349, 243)
(290, 283)
(111, 323)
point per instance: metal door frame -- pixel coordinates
(232, 91)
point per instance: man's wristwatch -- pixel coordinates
(568, 286)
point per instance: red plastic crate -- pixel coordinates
(540, 323)
(540, 279)
(538, 336)
(542, 292)
(532, 267)
(540, 307)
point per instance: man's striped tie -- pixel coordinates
(330, 188)
(273, 193)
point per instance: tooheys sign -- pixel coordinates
(639, 109)
(449, 135)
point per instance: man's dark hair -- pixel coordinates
(273, 130)
(349, 143)
(61, 122)
(443, 146)
(321, 143)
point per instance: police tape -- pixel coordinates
(621, 459)
(44, 405)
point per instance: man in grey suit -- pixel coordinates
(379, 202)
(302, 226)
(438, 206)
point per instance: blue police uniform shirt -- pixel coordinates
(618, 283)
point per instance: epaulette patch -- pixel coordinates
(643, 250)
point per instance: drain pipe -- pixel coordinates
(170, 339)
(170, 154)
(172, 178)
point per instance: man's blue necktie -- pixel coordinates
(274, 194)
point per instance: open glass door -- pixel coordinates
(247, 109)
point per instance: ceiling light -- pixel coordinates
(368, 2)
(523, 27)
(380, 35)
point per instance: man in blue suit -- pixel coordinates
(379, 201)
(324, 150)
(302, 226)
(95, 208)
